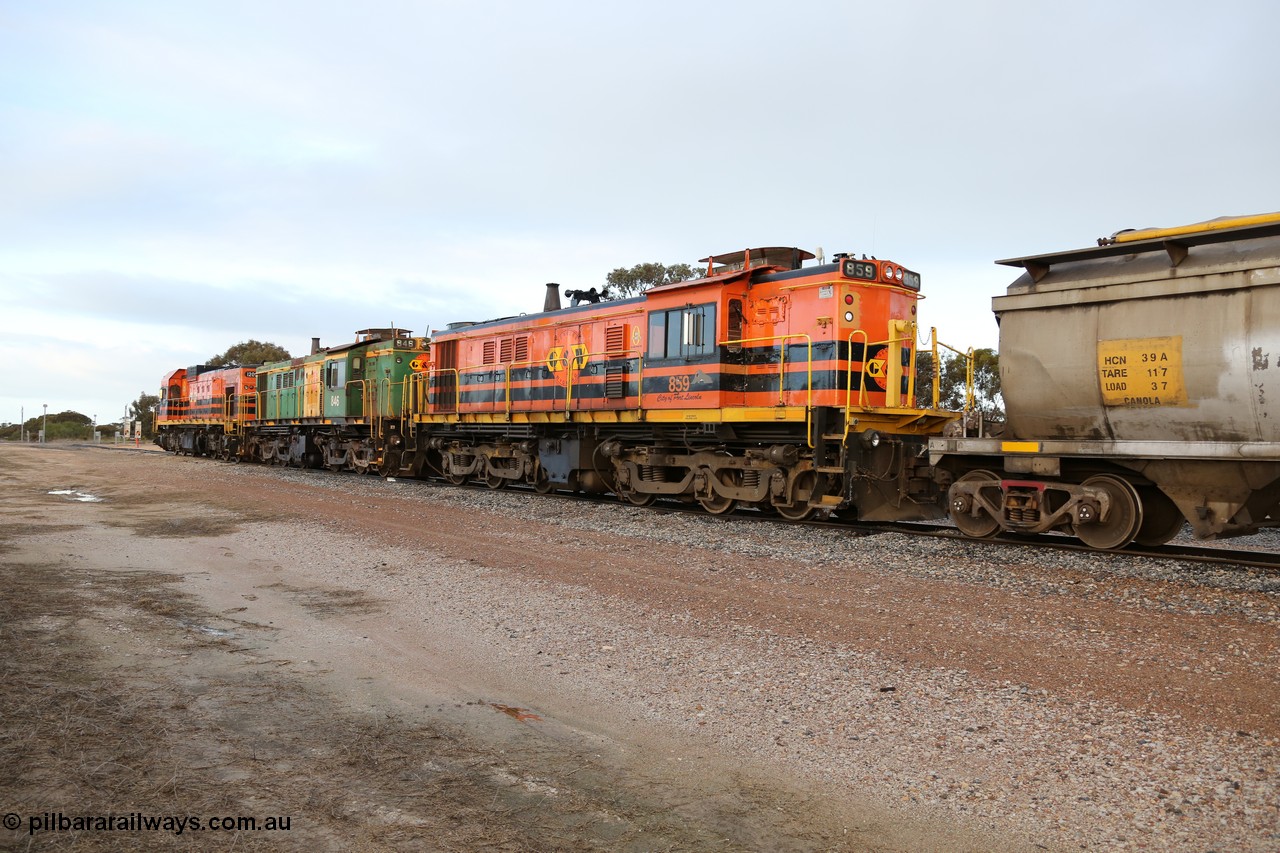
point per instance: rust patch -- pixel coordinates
(1260, 358)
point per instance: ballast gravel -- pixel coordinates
(1068, 768)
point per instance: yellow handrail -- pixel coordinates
(782, 371)
(626, 355)
(967, 355)
(435, 372)
(894, 356)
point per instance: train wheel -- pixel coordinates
(795, 513)
(1161, 518)
(718, 504)
(542, 483)
(801, 509)
(1123, 521)
(495, 481)
(640, 498)
(457, 479)
(960, 509)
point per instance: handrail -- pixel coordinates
(364, 394)
(625, 355)
(894, 353)
(782, 371)
(219, 409)
(457, 387)
(970, 395)
(508, 367)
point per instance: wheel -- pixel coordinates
(495, 481)
(457, 479)
(1123, 521)
(640, 498)
(1161, 518)
(960, 509)
(390, 465)
(800, 511)
(718, 504)
(541, 482)
(794, 513)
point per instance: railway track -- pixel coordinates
(1208, 554)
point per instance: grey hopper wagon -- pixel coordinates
(1142, 386)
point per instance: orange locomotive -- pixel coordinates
(203, 411)
(765, 383)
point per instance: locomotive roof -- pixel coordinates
(465, 328)
(788, 256)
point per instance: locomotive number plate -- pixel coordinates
(1136, 372)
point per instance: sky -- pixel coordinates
(179, 177)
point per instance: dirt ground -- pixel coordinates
(172, 647)
(153, 667)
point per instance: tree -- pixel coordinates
(951, 382)
(248, 353)
(144, 409)
(624, 282)
(62, 425)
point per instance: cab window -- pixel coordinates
(685, 332)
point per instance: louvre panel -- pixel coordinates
(505, 348)
(615, 379)
(490, 351)
(615, 340)
(522, 349)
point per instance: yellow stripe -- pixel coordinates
(1199, 227)
(1020, 446)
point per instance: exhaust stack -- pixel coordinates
(552, 302)
(315, 345)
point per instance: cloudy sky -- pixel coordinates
(178, 177)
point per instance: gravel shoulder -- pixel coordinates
(694, 683)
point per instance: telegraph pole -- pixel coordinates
(44, 425)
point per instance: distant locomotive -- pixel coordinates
(764, 383)
(1137, 376)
